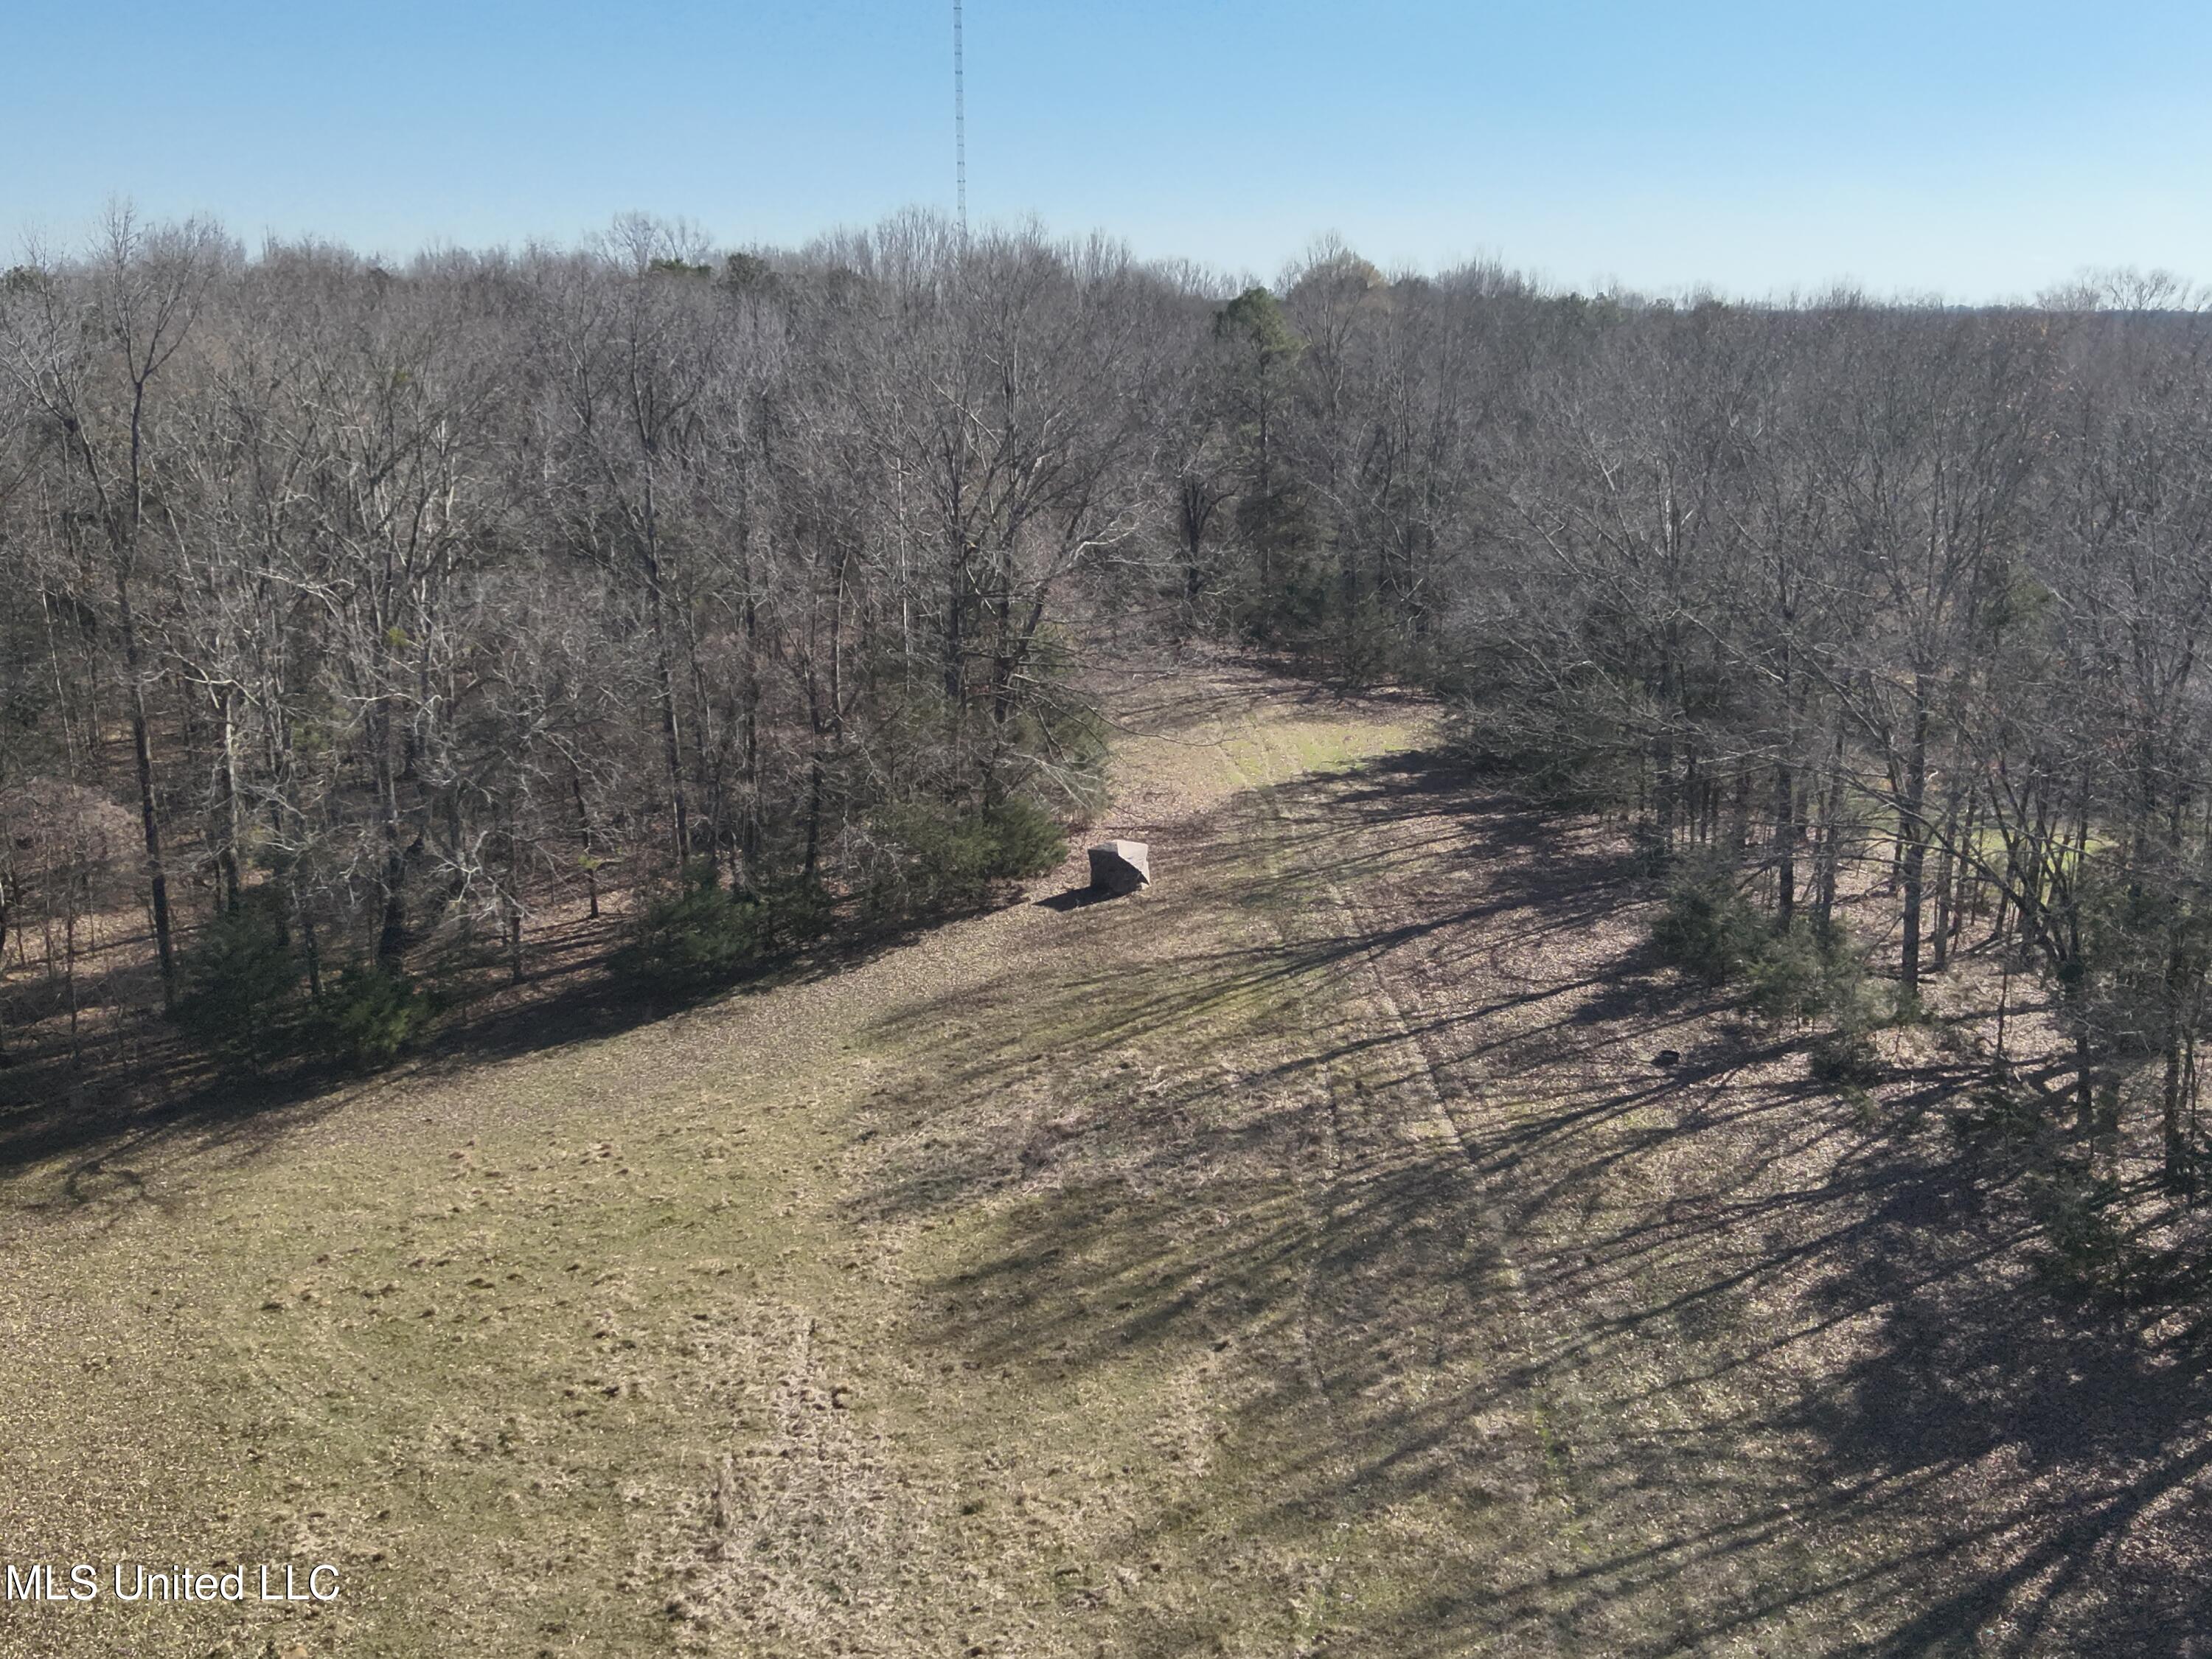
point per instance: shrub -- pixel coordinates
(2087, 1245)
(789, 913)
(242, 983)
(1810, 969)
(243, 997)
(1566, 748)
(1866, 1110)
(944, 862)
(1846, 1059)
(700, 936)
(1709, 930)
(370, 1016)
(1022, 840)
(1998, 1111)
(705, 935)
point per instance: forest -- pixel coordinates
(356, 618)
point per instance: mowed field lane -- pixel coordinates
(1302, 1256)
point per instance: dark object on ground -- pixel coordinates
(1121, 867)
(1666, 1057)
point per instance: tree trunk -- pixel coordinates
(1830, 854)
(1785, 846)
(231, 824)
(1912, 830)
(142, 749)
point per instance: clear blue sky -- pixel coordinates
(1979, 149)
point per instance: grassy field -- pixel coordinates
(1301, 1257)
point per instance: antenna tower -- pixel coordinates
(959, 123)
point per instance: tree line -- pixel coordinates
(393, 604)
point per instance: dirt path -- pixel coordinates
(1303, 1257)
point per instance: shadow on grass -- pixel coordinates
(1075, 898)
(147, 1097)
(1360, 1126)
(1682, 1359)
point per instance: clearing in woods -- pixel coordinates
(1304, 1256)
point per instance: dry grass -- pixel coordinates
(1301, 1257)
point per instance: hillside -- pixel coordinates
(1304, 1256)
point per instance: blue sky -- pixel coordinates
(1974, 149)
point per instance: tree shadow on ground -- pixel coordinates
(1686, 1357)
(147, 1097)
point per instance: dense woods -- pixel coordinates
(354, 618)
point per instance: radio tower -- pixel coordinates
(959, 123)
